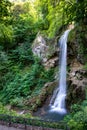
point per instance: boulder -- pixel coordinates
(46, 50)
(39, 48)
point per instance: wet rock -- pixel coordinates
(43, 97)
(51, 63)
(77, 82)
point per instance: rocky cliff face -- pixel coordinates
(77, 74)
(48, 51)
(77, 82)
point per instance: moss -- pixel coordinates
(72, 35)
(38, 100)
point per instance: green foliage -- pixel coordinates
(6, 36)
(25, 30)
(85, 66)
(5, 73)
(5, 111)
(22, 54)
(75, 108)
(25, 22)
(4, 10)
(59, 13)
(77, 119)
(74, 10)
(32, 121)
(51, 13)
(22, 75)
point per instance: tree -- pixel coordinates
(4, 9)
(76, 10)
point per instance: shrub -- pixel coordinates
(77, 119)
(20, 83)
(6, 36)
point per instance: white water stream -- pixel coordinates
(57, 102)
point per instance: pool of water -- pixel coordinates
(53, 115)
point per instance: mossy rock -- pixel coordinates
(37, 101)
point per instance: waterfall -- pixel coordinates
(57, 102)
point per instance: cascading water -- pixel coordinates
(57, 102)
